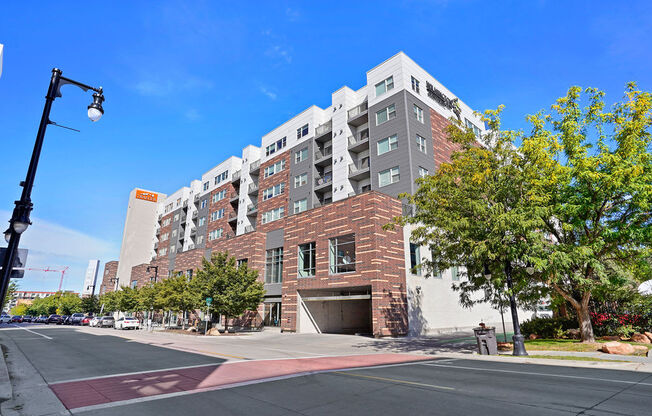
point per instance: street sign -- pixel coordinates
(20, 260)
(209, 301)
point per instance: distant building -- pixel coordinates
(91, 278)
(26, 297)
(109, 277)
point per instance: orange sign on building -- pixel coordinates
(146, 196)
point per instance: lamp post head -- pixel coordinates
(95, 110)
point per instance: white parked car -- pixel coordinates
(95, 321)
(127, 323)
(5, 319)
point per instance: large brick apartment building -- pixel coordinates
(307, 208)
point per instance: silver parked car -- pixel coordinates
(106, 321)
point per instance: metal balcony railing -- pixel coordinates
(236, 176)
(324, 128)
(253, 187)
(254, 166)
(321, 153)
(357, 110)
(252, 207)
(359, 138)
(323, 180)
(249, 228)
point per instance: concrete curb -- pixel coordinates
(6, 392)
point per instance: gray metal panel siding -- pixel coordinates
(399, 157)
(274, 239)
(305, 166)
(203, 212)
(417, 157)
(273, 289)
(174, 240)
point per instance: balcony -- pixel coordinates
(194, 215)
(193, 232)
(234, 198)
(250, 228)
(359, 141)
(322, 182)
(254, 167)
(160, 216)
(252, 209)
(196, 198)
(253, 188)
(233, 216)
(235, 177)
(359, 170)
(190, 247)
(185, 204)
(155, 245)
(158, 231)
(358, 115)
(322, 130)
(324, 157)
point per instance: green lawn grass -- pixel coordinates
(569, 345)
(572, 358)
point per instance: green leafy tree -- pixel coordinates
(19, 310)
(67, 303)
(148, 298)
(175, 294)
(90, 304)
(568, 210)
(128, 299)
(12, 287)
(234, 290)
(109, 302)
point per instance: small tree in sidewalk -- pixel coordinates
(174, 294)
(234, 289)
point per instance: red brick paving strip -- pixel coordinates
(83, 393)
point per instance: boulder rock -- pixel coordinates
(533, 336)
(616, 347)
(610, 338)
(649, 335)
(640, 338)
(640, 350)
(213, 331)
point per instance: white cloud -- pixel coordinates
(279, 52)
(270, 94)
(154, 86)
(55, 246)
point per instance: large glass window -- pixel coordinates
(342, 254)
(202, 221)
(421, 144)
(301, 155)
(273, 215)
(418, 113)
(415, 259)
(219, 196)
(415, 85)
(455, 274)
(202, 205)
(274, 265)
(385, 114)
(300, 205)
(300, 180)
(387, 144)
(273, 191)
(275, 168)
(384, 86)
(307, 259)
(274, 147)
(215, 234)
(388, 176)
(302, 131)
(423, 172)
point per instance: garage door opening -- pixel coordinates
(344, 311)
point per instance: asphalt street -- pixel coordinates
(436, 387)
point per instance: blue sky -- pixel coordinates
(188, 85)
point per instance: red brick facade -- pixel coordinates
(164, 230)
(223, 222)
(442, 147)
(109, 276)
(277, 201)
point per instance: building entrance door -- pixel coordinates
(272, 315)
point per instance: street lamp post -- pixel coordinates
(20, 218)
(519, 343)
(154, 279)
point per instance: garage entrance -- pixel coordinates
(344, 311)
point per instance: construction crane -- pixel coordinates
(48, 269)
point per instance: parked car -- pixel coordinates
(106, 321)
(54, 319)
(127, 323)
(43, 319)
(86, 320)
(64, 319)
(5, 319)
(76, 318)
(17, 319)
(27, 318)
(95, 321)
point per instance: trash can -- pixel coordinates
(486, 338)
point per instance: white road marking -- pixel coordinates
(29, 330)
(530, 373)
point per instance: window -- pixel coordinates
(388, 176)
(200, 239)
(273, 215)
(134, 284)
(301, 155)
(173, 249)
(221, 177)
(455, 274)
(202, 204)
(174, 233)
(216, 215)
(163, 251)
(300, 205)
(274, 265)
(415, 259)
(385, 114)
(241, 262)
(206, 184)
(176, 217)
(165, 236)
(219, 196)
(421, 144)
(166, 222)
(276, 146)
(300, 180)
(435, 273)
(215, 234)
(415, 85)
(418, 113)
(275, 190)
(341, 256)
(387, 144)
(307, 259)
(470, 125)
(423, 172)
(189, 273)
(202, 221)
(302, 131)
(275, 168)
(384, 86)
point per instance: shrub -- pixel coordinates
(548, 327)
